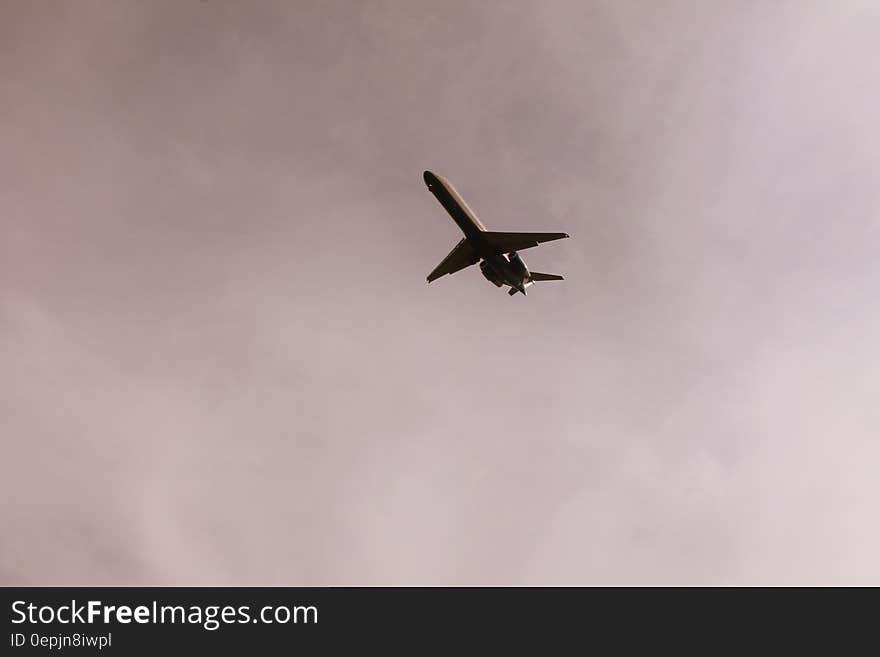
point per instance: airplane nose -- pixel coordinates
(429, 177)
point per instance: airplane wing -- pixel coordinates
(508, 242)
(463, 255)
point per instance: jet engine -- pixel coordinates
(517, 264)
(490, 274)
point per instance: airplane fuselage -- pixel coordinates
(502, 269)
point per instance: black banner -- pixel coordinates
(152, 620)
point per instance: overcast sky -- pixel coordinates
(220, 362)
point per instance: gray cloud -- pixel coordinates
(222, 364)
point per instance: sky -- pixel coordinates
(221, 364)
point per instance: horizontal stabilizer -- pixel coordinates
(509, 242)
(512, 291)
(538, 276)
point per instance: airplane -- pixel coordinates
(497, 253)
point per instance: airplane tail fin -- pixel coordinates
(538, 276)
